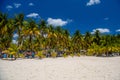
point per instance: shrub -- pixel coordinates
(72, 55)
(21, 55)
(40, 54)
(78, 54)
(65, 55)
(54, 54)
(90, 52)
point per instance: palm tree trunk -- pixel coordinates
(30, 42)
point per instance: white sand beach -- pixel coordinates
(76, 68)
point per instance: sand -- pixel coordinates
(76, 68)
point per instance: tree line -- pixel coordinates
(43, 38)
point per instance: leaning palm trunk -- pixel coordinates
(30, 42)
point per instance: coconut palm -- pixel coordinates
(66, 39)
(97, 37)
(77, 41)
(3, 28)
(52, 37)
(87, 40)
(19, 25)
(31, 31)
(7, 30)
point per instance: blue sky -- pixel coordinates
(83, 15)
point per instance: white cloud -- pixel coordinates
(14, 41)
(9, 7)
(33, 15)
(31, 4)
(93, 2)
(118, 30)
(102, 30)
(15, 35)
(17, 5)
(57, 22)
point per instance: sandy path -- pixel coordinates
(77, 68)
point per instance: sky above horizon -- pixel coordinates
(83, 15)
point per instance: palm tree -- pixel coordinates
(87, 40)
(7, 29)
(59, 33)
(3, 21)
(106, 42)
(31, 31)
(19, 25)
(3, 28)
(43, 28)
(77, 41)
(97, 37)
(66, 39)
(51, 37)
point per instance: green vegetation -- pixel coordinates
(40, 54)
(54, 54)
(43, 38)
